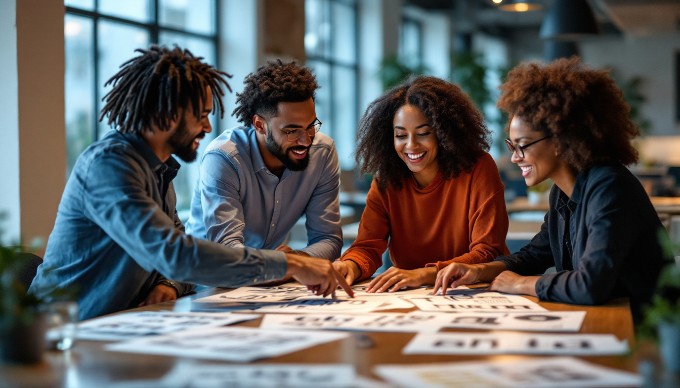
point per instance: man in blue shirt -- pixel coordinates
(117, 238)
(257, 180)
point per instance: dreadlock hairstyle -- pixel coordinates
(462, 135)
(154, 87)
(581, 108)
(273, 83)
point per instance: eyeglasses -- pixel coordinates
(310, 131)
(519, 148)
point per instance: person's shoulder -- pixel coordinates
(232, 143)
(614, 174)
(321, 140)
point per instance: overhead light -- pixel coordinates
(518, 5)
(555, 49)
(569, 20)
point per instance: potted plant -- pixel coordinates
(22, 320)
(662, 316)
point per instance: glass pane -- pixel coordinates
(117, 44)
(317, 28)
(195, 15)
(410, 47)
(82, 4)
(323, 94)
(345, 114)
(199, 47)
(79, 86)
(138, 10)
(344, 32)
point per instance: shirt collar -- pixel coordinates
(258, 161)
(169, 168)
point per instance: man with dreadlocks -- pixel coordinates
(257, 180)
(117, 237)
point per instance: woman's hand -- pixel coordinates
(454, 275)
(347, 269)
(395, 279)
(511, 283)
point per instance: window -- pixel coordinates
(331, 47)
(411, 42)
(102, 34)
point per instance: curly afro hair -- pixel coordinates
(462, 135)
(581, 108)
(273, 83)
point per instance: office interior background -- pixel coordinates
(57, 55)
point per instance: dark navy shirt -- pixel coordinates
(613, 233)
(117, 232)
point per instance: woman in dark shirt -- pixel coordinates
(570, 124)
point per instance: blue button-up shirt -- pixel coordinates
(614, 238)
(116, 233)
(239, 202)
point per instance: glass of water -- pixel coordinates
(62, 324)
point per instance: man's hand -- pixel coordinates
(286, 249)
(160, 293)
(347, 269)
(317, 274)
(394, 279)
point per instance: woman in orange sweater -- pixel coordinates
(437, 197)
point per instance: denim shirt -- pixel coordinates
(239, 202)
(614, 236)
(115, 234)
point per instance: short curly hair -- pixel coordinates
(581, 108)
(273, 83)
(154, 87)
(461, 133)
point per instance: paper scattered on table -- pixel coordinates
(138, 324)
(563, 321)
(515, 343)
(239, 344)
(265, 375)
(473, 300)
(390, 322)
(555, 372)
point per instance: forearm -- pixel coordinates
(489, 271)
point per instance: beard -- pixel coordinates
(290, 163)
(182, 142)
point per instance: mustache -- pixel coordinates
(200, 135)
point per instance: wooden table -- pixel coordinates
(89, 365)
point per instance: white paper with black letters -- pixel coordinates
(473, 300)
(144, 323)
(498, 342)
(389, 322)
(555, 372)
(239, 344)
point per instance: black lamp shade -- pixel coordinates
(569, 20)
(555, 49)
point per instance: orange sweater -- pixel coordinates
(456, 220)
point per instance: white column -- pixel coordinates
(32, 135)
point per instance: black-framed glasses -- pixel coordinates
(310, 131)
(520, 148)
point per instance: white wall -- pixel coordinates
(33, 113)
(653, 58)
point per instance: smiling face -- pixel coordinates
(279, 152)
(540, 160)
(184, 141)
(416, 143)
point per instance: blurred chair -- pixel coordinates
(27, 272)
